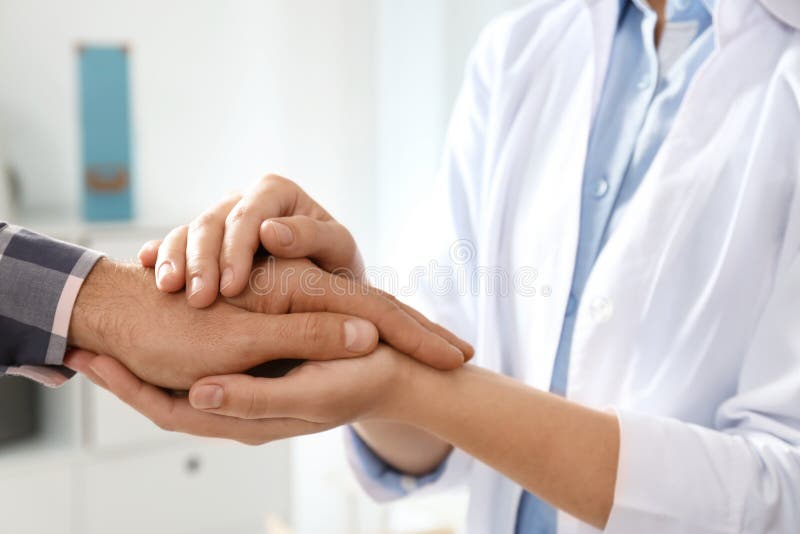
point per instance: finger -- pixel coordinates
(327, 242)
(148, 254)
(258, 338)
(439, 330)
(176, 414)
(80, 361)
(203, 243)
(247, 397)
(171, 262)
(271, 197)
(325, 291)
(310, 289)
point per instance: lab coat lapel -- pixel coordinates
(534, 213)
(549, 137)
(605, 14)
(656, 213)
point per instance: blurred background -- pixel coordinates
(120, 119)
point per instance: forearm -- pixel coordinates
(406, 448)
(561, 451)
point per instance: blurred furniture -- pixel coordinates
(95, 466)
(8, 191)
(18, 413)
(106, 132)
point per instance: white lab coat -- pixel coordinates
(690, 322)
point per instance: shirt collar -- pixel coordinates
(708, 4)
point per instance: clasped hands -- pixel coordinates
(140, 335)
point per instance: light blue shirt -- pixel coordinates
(643, 90)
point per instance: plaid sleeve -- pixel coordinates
(39, 281)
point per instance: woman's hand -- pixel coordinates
(310, 398)
(279, 215)
(174, 413)
(279, 287)
(214, 253)
(330, 393)
(561, 451)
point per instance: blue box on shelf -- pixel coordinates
(105, 132)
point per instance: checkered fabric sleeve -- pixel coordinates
(39, 281)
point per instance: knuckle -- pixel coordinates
(238, 213)
(183, 228)
(247, 338)
(415, 344)
(275, 180)
(174, 235)
(199, 261)
(314, 330)
(202, 222)
(231, 196)
(195, 266)
(254, 406)
(385, 295)
(347, 236)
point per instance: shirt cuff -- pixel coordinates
(40, 278)
(379, 479)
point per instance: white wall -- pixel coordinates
(349, 97)
(423, 47)
(222, 93)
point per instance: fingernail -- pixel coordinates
(165, 270)
(206, 397)
(227, 278)
(284, 233)
(196, 285)
(359, 335)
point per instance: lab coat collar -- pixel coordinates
(709, 4)
(787, 11)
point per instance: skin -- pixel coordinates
(410, 414)
(313, 315)
(568, 458)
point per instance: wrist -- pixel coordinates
(92, 319)
(412, 389)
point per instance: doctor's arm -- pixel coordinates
(563, 452)
(629, 472)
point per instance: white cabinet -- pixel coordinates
(36, 500)
(209, 487)
(112, 424)
(103, 468)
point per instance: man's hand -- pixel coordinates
(302, 312)
(175, 414)
(312, 398)
(277, 214)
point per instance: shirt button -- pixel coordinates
(408, 484)
(601, 188)
(601, 309)
(644, 83)
(572, 305)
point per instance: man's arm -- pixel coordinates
(53, 294)
(40, 279)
